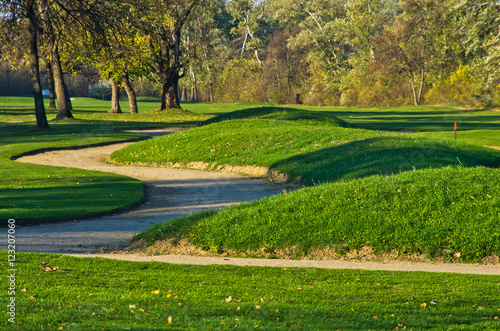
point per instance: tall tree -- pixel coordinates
(23, 17)
(49, 12)
(480, 24)
(322, 26)
(163, 23)
(410, 45)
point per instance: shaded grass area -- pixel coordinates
(383, 156)
(437, 212)
(281, 113)
(33, 192)
(303, 149)
(95, 294)
(479, 126)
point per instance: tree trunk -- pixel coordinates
(41, 117)
(194, 94)
(132, 99)
(169, 96)
(211, 91)
(422, 82)
(69, 106)
(63, 112)
(50, 77)
(115, 98)
(413, 88)
(184, 94)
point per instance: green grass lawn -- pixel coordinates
(479, 126)
(315, 147)
(96, 294)
(450, 208)
(34, 192)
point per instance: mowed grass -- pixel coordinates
(96, 294)
(404, 194)
(314, 147)
(479, 126)
(452, 213)
(33, 192)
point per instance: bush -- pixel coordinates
(241, 81)
(101, 90)
(457, 88)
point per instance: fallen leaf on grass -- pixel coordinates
(31, 297)
(156, 292)
(257, 307)
(423, 304)
(169, 320)
(229, 298)
(132, 306)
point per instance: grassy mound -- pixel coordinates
(314, 153)
(447, 212)
(279, 113)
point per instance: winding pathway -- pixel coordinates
(172, 193)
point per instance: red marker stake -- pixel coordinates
(455, 130)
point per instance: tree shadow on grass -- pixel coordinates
(93, 196)
(382, 156)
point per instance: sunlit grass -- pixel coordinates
(96, 294)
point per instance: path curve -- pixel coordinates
(172, 193)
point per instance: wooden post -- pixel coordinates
(455, 130)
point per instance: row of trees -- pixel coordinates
(357, 52)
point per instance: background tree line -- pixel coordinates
(330, 52)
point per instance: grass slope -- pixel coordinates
(438, 212)
(314, 150)
(96, 294)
